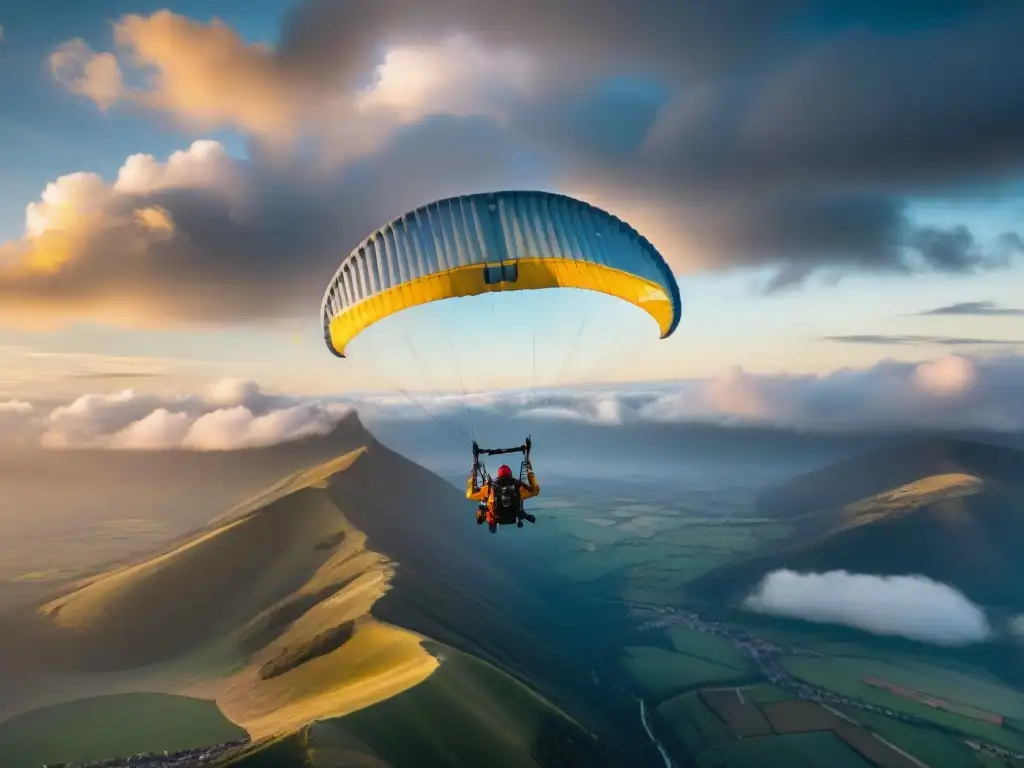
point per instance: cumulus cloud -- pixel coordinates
(231, 428)
(905, 606)
(954, 392)
(186, 66)
(206, 237)
(16, 407)
(947, 376)
(17, 422)
(686, 119)
(948, 393)
(233, 415)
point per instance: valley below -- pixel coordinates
(618, 629)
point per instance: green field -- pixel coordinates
(716, 538)
(823, 749)
(587, 531)
(937, 681)
(765, 693)
(930, 747)
(693, 724)
(672, 572)
(111, 726)
(681, 564)
(605, 560)
(714, 648)
(843, 676)
(660, 549)
(646, 526)
(660, 672)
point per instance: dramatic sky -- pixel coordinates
(839, 187)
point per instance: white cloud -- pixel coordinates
(16, 407)
(83, 71)
(239, 413)
(17, 422)
(955, 392)
(65, 201)
(165, 242)
(232, 392)
(234, 415)
(456, 76)
(204, 164)
(160, 430)
(232, 428)
(905, 606)
(952, 375)
(185, 67)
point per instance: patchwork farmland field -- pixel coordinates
(744, 718)
(754, 725)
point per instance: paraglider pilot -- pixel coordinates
(501, 498)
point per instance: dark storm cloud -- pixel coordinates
(671, 37)
(770, 91)
(976, 308)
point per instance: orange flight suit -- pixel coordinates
(526, 491)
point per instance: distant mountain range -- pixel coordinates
(950, 510)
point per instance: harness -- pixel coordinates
(480, 470)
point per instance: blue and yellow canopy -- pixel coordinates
(496, 241)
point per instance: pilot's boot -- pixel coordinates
(492, 527)
(530, 517)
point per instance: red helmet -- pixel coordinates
(504, 471)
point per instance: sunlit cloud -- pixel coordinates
(955, 392)
(951, 393)
(204, 237)
(362, 110)
(233, 415)
(81, 70)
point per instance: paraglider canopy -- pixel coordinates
(495, 242)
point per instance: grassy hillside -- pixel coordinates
(457, 584)
(309, 603)
(266, 590)
(876, 472)
(466, 713)
(960, 522)
(110, 505)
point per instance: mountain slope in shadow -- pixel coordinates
(951, 511)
